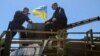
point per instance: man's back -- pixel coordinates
(61, 19)
(19, 18)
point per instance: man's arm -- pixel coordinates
(28, 20)
(61, 15)
(17, 14)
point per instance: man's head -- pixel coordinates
(54, 6)
(26, 11)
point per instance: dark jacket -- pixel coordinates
(18, 20)
(61, 19)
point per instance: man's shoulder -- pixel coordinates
(60, 9)
(18, 11)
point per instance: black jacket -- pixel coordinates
(18, 20)
(61, 19)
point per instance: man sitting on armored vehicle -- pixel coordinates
(58, 21)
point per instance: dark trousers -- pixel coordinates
(49, 28)
(22, 34)
(8, 39)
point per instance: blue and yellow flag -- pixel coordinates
(41, 12)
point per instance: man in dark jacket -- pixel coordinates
(16, 24)
(58, 20)
(19, 18)
(57, 23)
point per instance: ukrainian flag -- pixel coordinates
(40, 12)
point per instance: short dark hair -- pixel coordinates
(55, 3)
(26, 8)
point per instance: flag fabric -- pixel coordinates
(40, 12)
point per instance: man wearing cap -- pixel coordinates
(16, 24)
(19, 18)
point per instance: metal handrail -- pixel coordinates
(45, 32)
(3, 33)
(48, 32)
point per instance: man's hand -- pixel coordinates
(48, 22)
(30, 21)
(53, 19)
